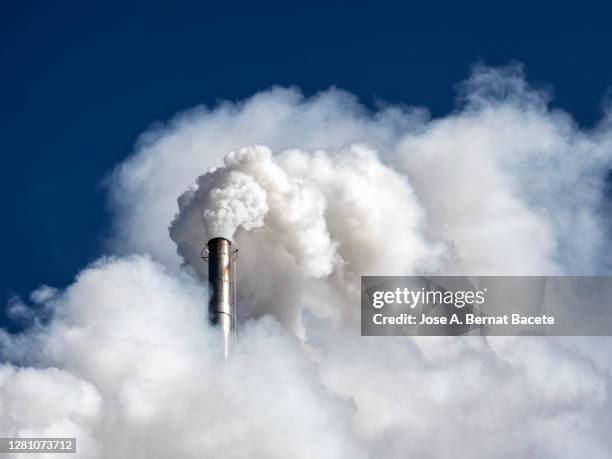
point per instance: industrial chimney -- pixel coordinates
(222, 305)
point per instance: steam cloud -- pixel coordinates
(317, 192)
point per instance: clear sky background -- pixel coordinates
(81, 82)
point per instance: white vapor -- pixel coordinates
(316, 192)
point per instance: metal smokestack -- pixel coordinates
(221, 308)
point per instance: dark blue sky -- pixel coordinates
(80, 82)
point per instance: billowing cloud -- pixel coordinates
(317, 192)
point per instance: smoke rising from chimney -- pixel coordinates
(316, 192)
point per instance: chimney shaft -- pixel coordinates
(221, 306)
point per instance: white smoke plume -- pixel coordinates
(317, 192)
